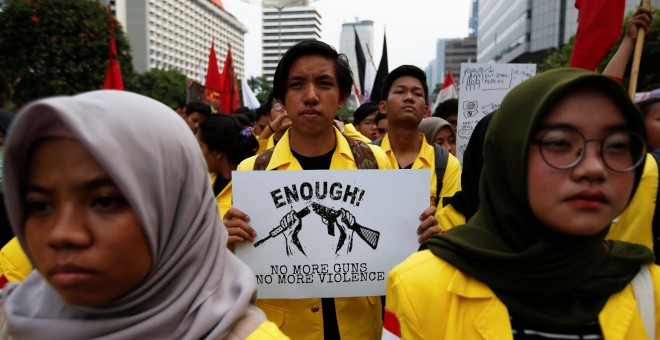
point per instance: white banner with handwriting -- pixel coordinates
(482, 88)
(329, 233)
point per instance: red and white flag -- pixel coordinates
(447, 91)
(391, 326)
(113, 80)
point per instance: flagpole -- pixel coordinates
(371, 57)
(637, 57)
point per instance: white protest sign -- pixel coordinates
(348, 228)
(483, 86)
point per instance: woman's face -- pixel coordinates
(446, 138)
(209, 156)
(584, 199)
(83, 235)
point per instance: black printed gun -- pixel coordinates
(369, 236)
(279, 230)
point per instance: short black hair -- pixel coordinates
(224, 133)
(380, 117)
(312, 48)
(447, 108)
(405, 70)
(199, 107)
(363, 111)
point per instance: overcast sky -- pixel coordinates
(413, 26)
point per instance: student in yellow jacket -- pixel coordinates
(405, 92)
(534, 257)
(225, 143)
(313, 81)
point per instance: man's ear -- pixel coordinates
(342, 101)
(382, 107)
(427, 111)
(217, 154)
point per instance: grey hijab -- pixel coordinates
(196, 288)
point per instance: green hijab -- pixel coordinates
(549, 280)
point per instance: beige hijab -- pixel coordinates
(196, 288)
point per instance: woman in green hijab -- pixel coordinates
(562, 158)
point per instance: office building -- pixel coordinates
(365, 32)
(525, 31)
(286, 23)
(177, 34)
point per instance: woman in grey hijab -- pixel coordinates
(439, 131)
(108, 193)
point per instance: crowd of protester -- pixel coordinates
(119, 221)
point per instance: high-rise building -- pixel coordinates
(286, 23)
(365, 32)
(177, 34)
(526, 30)
(474, 18)
(457, 51)
(435, 72)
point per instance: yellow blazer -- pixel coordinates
(434, 300)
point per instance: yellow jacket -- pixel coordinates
(14, 264)
(357, 317)
(267, 330)
(451, 182)
(448, 217)
(434, 300)
(635, 224)
(224, 197)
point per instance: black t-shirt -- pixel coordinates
(315, 163)
(330, 325)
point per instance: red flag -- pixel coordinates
(230, 98)
(391, 326)
(599, 27)
(447, 91)
(113, 80)
(213, 80)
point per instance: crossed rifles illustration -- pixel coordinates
(329, 217)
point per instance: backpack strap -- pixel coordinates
(441, 159)
(655, 229)
(642, 285)
(364, 156)
(261, 163)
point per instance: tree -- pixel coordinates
(167, 87)
(649, 69)
(261, 87)
(51, 47)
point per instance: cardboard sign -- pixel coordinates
(482, 88)
(329, 233)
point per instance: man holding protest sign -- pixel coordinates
(313, 81)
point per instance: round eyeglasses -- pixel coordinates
(564, 148)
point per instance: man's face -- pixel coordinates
(382, 128)
(405, 103)
(367, 126)
(260, 125)
(194, 120)
(312, 95)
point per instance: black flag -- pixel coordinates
(361, 60)
(376, 92)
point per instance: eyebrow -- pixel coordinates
(92, 184)
(608, 128)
